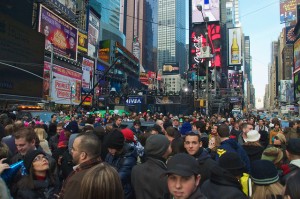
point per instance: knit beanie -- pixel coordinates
(128, 135)
(186, 127)
(264, 172)
(29, 157)
(157, 145)
(272, 154)
(115, 139)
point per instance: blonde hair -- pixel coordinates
(41, 133)
(101, 181)
(267, 191)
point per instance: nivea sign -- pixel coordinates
(134, 100)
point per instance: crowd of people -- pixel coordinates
(87, 156)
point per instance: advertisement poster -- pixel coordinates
(286, 91)
(235, 46)
(93, 33)
(87, 73)
(297, 85)
(199, 40)
(290, 37)
(297, 55)
(66, 6)
(170, 69)
(104, 50)
(288, 10)
(82, 43)
(210, 9)
(60, 33)
(233, 78)
(65, 87)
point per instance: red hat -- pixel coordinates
(128, 135)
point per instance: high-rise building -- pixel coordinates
(247, 58)
(171, 33)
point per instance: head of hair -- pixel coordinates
(87, 128)
(144, 136)
(4, 150)
(41, 133)
(101, 181)
(291, 124)
(199, 125)
(223, 131)
(9, 129)
(267, 191)
(90, 144)
(193, 134)
(17, 125)
(27, 133)
(292, 186)
(52, 116)
(173, 132)
(244, 125)
(177, 146)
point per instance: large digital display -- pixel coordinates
(286, 91)
(87, 73)
(198, 40)
(93, 33)
(59, 33)
(234, 78)
(235, 46)
(82, 43)
(210, 9)
(297, 55)
(288, 10)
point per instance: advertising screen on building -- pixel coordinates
(60, 33)
(66, 6)
(290, 37)
(104, 51)
(198, 40)
(170, 69)
(210, 9)
(87, 73)
(297, 55)
(286, 91)
(233, 78)
(288, 10)
(65, 87)
(93, 33)
(22, 58)
(297, 85)
(235, 46)
(82, 43)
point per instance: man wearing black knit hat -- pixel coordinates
(123, 157)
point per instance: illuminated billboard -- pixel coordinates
(233, 78)
(60, 33)
(87, 73)
(297, 55)
(65, 87)
(297, 85)
(286, 91)
(82, 43)
(170, 69)
(210, 9)
(199, 40)
(235, 46)
(104, 50)
(93, 33)
(288, 10)
(290, 37)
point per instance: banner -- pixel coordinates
(235, 46)
(93, 33)
(87, 73)
(288, 10)
(210, 9)
(65, 87)
(82, 43)
(59, 33)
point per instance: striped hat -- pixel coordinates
(264, 172)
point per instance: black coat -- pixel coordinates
(222, 184)
(253, 152)
(147, 179)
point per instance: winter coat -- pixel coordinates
(289, 170)
(205, 164)
(43, 189)
(230, 145)
(147, 180)
(253, 152)
(124, 163)
(222, 184)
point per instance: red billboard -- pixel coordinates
(59, 33)
(198, 40)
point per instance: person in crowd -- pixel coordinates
(86, 154)
(230, 145)
(183, 177)
(224, 182)
(264, 176)
(274, 132)
(235, 131)
(42, 136)
(293, 155)
(136, 128)
(292, 131)
(186, 127)
(101, 181)
(214, 131)
(252, 145)
(117, 122)
(175, 123)
(4, 191)
(263, 131)
(122, 157)
(292, 187)
(213, 145)
(246, 127)
(40, 181)
(146, 177)
(274, 155)
(53, 141)
(9, 140)
(198, 127)
(193, 146)
(172, 133)
(177, 146)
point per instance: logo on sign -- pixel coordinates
(134, 101)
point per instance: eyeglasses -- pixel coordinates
(40, 158)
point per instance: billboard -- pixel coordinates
(286, 91)
(297, 85)
(66, 6)
(87, 73)
(82, 43)
(60, 33)
(290, 37)
(210, 9)
(288, 10)
(65, 87)
(22, 58)
(104, 50)
(235, 46)
(199, 40)
(233, 78)
(297, 55)
(93, 33)
(170, 69)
